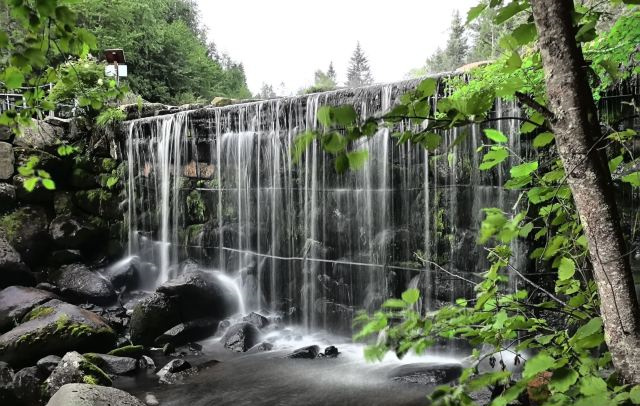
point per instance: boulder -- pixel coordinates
(6, 134)
(331, 352)
(12, 270)
(26, 230)
(192, 295)
(309, 352)
(7, 197)
(17, 301)
(81, 285)
(426, 373)
(99, 202)
(6, 385)
(201, 294)
(65, 257)
(74, 368)
(220, 101)
(54, 328)
(48, 364)
(27, 386)
(146, 362)
(40, 136)
(241, 337)
(112, 364)
(124, 273)
(72, 232)
(7, 161)
(130, 351)
(152, 316)
(257, 320)
(262, 347)
(193, 330)
(77, 394)
(177, 370)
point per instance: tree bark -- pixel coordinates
(577, 130)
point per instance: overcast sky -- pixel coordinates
(288, 40)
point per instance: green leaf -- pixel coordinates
(518, 183)
(614, 163)
(634, 395)
(411, 296)
(493, 158)
(427, 87)
(632, 178)
(4, 39)
(431, 141)
(111, 182)
(324, 116)
(395, 303)
(49, 184)
(13, 77)
(46, 7)
(341, 163)
(509, 11)
(334, 143)
(357, 159)
(543, 139)
(525, 33)
(591, 385)
(495, 135)
(30, 184)
(513, 63)
(563, 379)
(567, 269)
(540, 363)
(475, 11)
(525, 230)
(524, 169)
(344, 115)
(592, 327)
(301, 143)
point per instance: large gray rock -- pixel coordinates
(7, 197)
(27, 229)
(81, 285)
(27, 386)
(17, 301)
(12, 270)
(189, 331)
(257, 320)
(55, 327)
(152, 316)
(7, 396)
(7, 161)
(40, 136)
(48, 364)
(90, 395)
(112, 364)
(71, 232)
(74, 368)
(193, 295)
(425, 373)
(309, 352)
(241, 337)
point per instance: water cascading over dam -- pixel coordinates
(219, 186)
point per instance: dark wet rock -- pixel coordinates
(7, 396)
(125, 273)
(77, 394)
(262, 347)
(331, 352)
(74, 368)
(48, 364)
(309, 352)
(99, 202)
(178, 370)
(65, 257)
(7, 161)
(112, 364)
(46, 286)
(146, 362)
(168, 349)
(54, 328)
(27, 230)
(79, 284)
(240, 337)
(17, 301)
(27, 386)
(71, 232)
(7, 197)
(131, 351)
(191, 296)
(82, 179)
(201, 294)
(257, 320)
(193, 330)
(426, 373)
(224, 324)
(152, 316)
(12, 270)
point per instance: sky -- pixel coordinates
(286, 41)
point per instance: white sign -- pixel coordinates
(110, 71)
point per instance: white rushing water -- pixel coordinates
(220, 186)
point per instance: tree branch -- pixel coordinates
(529, 101)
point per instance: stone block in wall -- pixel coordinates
(198, 170)
(7, 197)
(41, 135)
(7, 161)
(5, 133)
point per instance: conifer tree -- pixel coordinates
(359, 72)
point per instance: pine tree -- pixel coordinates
(331, 73)
(455, 53)
(359, 73)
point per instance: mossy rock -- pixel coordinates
(27, 230)
(55, 327)
(74, 368)
(81, 179)
(131, 351)
(99, 202)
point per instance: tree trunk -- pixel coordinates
(576, 130)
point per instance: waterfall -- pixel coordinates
(219, 186)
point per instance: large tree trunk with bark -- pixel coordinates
(577, 130)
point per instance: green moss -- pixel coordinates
(38, 312)
(98, 195)
(132, 351)
(93, 374)
(109, 164)
(195, 206)
(12, 223)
